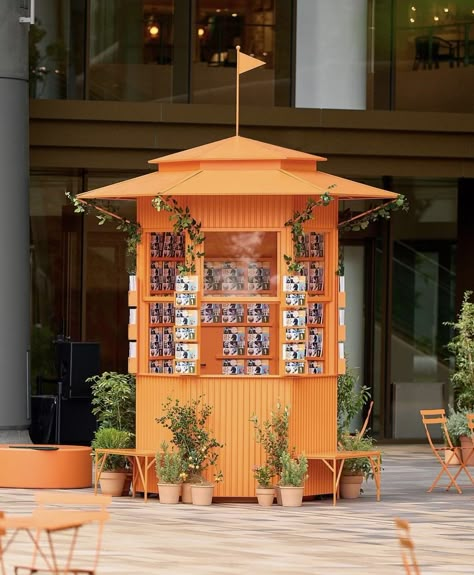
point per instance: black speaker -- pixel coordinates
(77, 361)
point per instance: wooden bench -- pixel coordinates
(140, 459)
(334, 461)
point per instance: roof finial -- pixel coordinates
(244, 64)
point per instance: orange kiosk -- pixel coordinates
(240, 328)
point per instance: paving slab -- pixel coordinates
(354, 537)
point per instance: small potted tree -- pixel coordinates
(458, 430)
(265, 491)
(112, 477)
(190, 434)
(170, 473)
(462, 348)
(272, 435)
(294, 472)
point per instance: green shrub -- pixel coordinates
(170, 467)
(360, 465)
(293, 471)
(111, 438)
(456, 424)
(272, 434)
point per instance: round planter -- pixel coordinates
(111, 482)
(278, 494)
(186, 495)
(467, 448)
(452, 458)
(169, 492)
(202, 494)
(350, 486)
(291, 496)
(265, 496)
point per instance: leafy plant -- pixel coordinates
(381, 212)
(263, 475)
(108, 213)
(170, 467)
(462, 347)
(361, 465)
(350, 400)
(294, 472)
(183, 222)
(188, 426)
(272, 434)
(113, 400)
(456, 424)
(297, 231)
(111, 438)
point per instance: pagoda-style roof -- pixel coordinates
(238, 166)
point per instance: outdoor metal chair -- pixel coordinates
(407, 547)
(70, 512)
(470, 450)
(437, 418)
(2, 534)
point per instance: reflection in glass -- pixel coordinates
(131, 50)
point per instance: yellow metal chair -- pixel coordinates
(61, 516)
(437, 418)
(407, 547)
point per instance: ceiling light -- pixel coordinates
(153, 31)
(412, 20)
(234, 15)
(446, 10)
(413, 8)
(436, 18)
(201, 32)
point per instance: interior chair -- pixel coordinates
(407, 547)
(93, 510)
(431, 50)
(436, 419)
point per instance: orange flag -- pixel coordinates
(246, 63)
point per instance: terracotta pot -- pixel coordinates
(127, 484)
(111, 482)
(291, 496)
(467, 448)
(202, 493)
(278, 494)
(169, 492)
(451, 458)
(265, 496)
(186, 496)
(350, 486)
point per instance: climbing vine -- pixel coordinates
(297, 232)
(183, 222)
(132, 229)
(383, 212)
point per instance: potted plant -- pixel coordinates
(272, 434)
(170, 474)
(187, 423)
(113, 405)
(294, 472)
(354, 471)
(265, 491)
(113, 473)
(460, 435)
(462, 347)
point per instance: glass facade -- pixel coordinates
(418, 53)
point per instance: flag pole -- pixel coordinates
(237, 91)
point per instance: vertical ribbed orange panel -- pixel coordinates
(312, 399)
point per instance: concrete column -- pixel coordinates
(331, 54)
(14, 226)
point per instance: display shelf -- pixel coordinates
(223, 276)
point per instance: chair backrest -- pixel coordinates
(435, 417)
(407, 547)
(70, 501)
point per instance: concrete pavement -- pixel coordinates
(355, 537)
